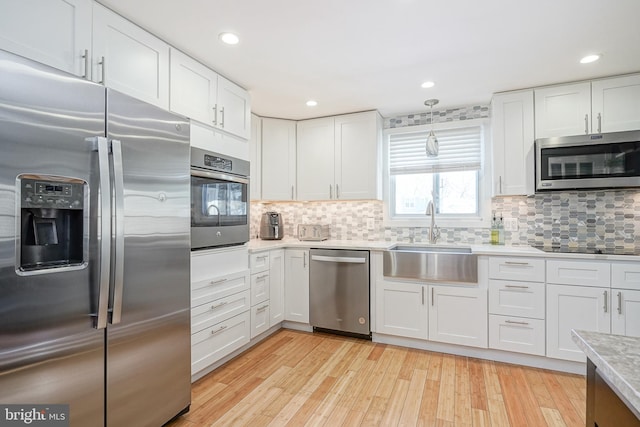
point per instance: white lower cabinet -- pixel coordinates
(625, 312)
(521, 335)
(276, 287)
(296, 285)
(212, 344)
(220, 305)
(401, 309)
(574, 307)
(458, 315)
(259, 319)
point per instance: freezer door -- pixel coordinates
(148, 341)
(50, 352)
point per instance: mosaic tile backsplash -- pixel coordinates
(439, 116)
(603, 219)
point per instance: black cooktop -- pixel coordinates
(597, 251)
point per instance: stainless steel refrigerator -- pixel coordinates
(94, 250)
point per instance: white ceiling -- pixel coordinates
(355, 55)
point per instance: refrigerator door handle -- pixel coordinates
(101, 145)
(118, 190)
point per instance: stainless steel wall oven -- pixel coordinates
(219, 200)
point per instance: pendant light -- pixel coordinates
(432, 141)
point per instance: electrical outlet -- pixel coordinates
(370, 223)
(511, 224)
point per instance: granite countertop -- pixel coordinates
(617, 358)
(257, 245)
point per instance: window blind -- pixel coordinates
(460, 150)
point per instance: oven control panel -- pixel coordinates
(218, 163)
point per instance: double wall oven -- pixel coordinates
(219, 200)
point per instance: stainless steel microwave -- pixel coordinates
(608, 160)
(219, 200)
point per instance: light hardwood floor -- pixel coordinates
(299, 379)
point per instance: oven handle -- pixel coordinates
(218, 175)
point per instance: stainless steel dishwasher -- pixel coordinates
(339, 291)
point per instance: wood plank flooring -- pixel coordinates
(302, 379)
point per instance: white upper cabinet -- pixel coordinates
(255, 156)
(606, 105)
(563, 110)
(210, 138)
(278, 159)
(53, 32)
(616, 104)
(315, 159)
(193, 88)
(512, 143)
(233, 109)
(340, 157)
(129, 59)
(358, 142)
(201, 94)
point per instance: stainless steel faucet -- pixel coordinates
(434, 231)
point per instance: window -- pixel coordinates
(453, 180)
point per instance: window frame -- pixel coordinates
(443, 220)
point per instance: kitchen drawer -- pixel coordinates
(516, 268)
(512, 298)
(259, 262)
(625, 275)
(259, 287)
(208, 314)
(212, 344)
(259, 319)
(209, 290)
(517, 334)
(210, 263)
(581, 273)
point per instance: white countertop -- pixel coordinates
(617, 358)
(257, 245)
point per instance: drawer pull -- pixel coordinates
(220, 329)
(264, 276)
(516, 263)
(215, 282)
(263, 308)
(220, 304)
(516, 286)
(262, 257)
(513, 322)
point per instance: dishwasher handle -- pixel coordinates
(349, 260)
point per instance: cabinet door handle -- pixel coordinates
(513, 322)
(423, 295)
(433, 298)
(599, 122)
(220, 329)
(304, 260)
(606, 301)
(516, 263)
(500, 180)
(222, 117)
(215, 115)
(330, 191)
(220, 304)
(292, 192)
(337, 191)
(102, 68)
(619, 302)
(516, 286)
(586, 124)
(85, 56)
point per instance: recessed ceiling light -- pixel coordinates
(312, 103)
(589, 58)
(229, 38)
(427, 85)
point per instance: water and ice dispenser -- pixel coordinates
(52, 223)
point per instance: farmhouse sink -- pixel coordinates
(450, 264)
